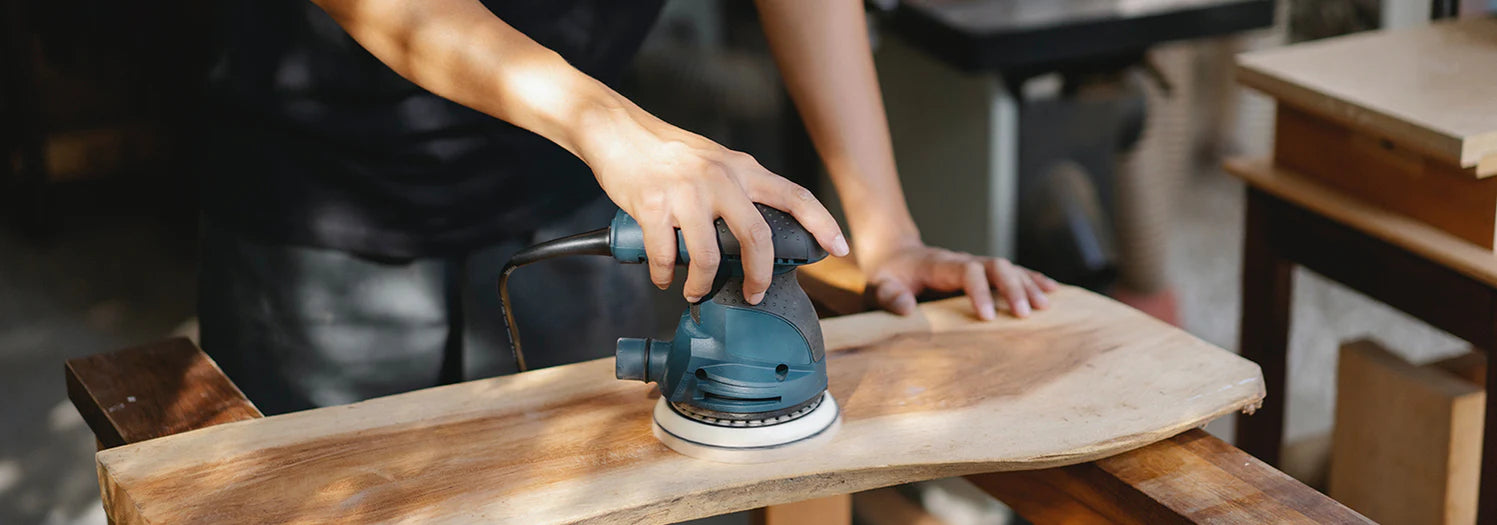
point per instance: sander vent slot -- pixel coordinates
(710, 395)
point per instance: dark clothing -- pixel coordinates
(307, 139)
(297, 327)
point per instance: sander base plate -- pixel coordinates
(759, 444)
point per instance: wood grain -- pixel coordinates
(1383, 174)
(932, 395)
(1407, 440)
(1432, 88)
(1190, 478)
(151, 391)
(1416, 237)
(1442, 280)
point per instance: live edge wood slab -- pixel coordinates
(932, 395)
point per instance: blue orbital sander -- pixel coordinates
(740, 382)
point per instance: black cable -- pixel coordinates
(455, 272)
(589, 243)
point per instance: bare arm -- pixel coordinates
(663, 176)
(823, 52)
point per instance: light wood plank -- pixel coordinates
(1407, 440)
(932, 395)
(1431, 88)
(829, 510)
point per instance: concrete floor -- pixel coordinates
(102, 284)
(109, 282)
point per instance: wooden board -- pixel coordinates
(172, 387)
(932, 395)
(829, 510)
(1415, 236)
(1190, 478)
(1383, 174)
(1432, 88)
(1407, 439)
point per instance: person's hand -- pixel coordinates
(907, 271)
(668, 178)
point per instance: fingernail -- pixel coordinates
(754, 299)
(663, 286)
(839, 246)
(1041, 302)
(1022, 309)
(693, 298)
(987, 313)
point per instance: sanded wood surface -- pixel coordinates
(151, 391)
(1412, 235)
(1431, 88)
(932, 395)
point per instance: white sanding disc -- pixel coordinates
(746, 444)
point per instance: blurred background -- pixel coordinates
(1087, 145)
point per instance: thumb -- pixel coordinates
(895, 296)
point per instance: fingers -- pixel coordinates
(1037, 297)
(894, 296)
(1044, 281)
(782, 194)
(975, 283)
(1009, 280)
(701, 242)
(660, 246)
(756, 243)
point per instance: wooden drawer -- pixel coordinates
(1387, 174)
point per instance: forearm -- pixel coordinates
(823, 53)
(459, 50)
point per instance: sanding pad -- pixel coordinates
(761, 444)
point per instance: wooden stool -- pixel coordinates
(1381, 180)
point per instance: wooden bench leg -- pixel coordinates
(831, 510)
(1267, 288)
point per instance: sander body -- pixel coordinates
(738, 382)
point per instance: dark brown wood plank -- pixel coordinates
(151, 391)
(1419, 286)
(1077, 495)
(1190, 478)
(1267, 288)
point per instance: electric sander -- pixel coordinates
(739, 382)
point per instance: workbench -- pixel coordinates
(139, 396)
(1386, 143)
(952, 72)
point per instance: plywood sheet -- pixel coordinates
(932, 395)
(1431, 88)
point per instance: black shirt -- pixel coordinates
(308, 139)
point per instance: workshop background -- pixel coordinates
(98, 240)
